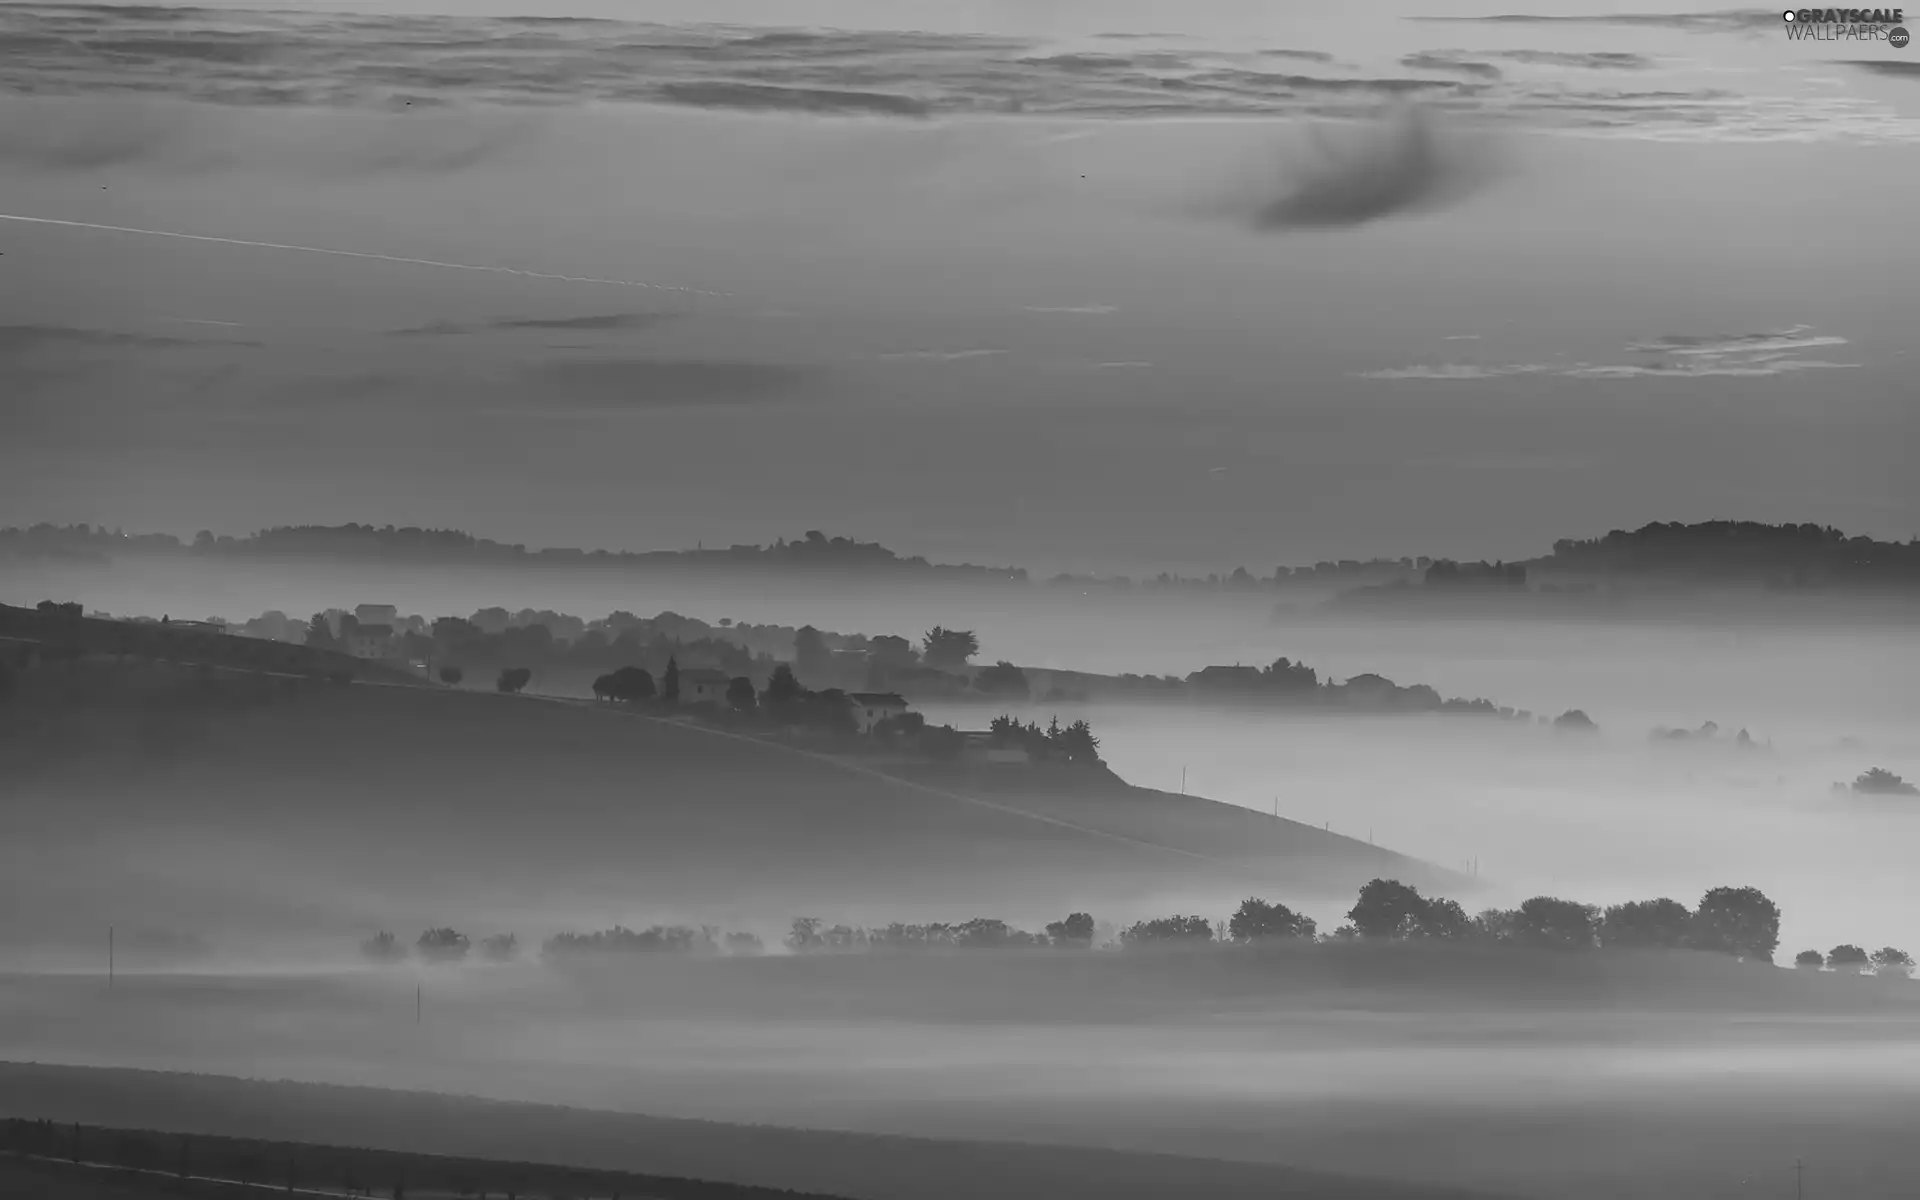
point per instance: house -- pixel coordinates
(373, 641)
(377, 614)
(984, 747)
(703, 685)
(871, 708)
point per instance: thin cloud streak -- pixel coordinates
(392, 258)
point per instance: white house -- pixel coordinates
(703, 685)
(373, 641)
(871, 708)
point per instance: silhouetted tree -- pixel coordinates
(887, 650)
(1881, 782)
(942, 742)
(1661, 923)
(812, 660)
(744, 944)
(1441, 919)
(804, 934)
(383, 947)
(670, 684)
(783, 690)
(320, 634)
(500, 947)
(1077, 743)
(1842, 958)
(1892, 963)
(630, 685)
(1575, 720)
(1386, 908)
(1256, 920)
(443, 945)
(1075, 932)
(1548, 922)
(1167, 929)
(451, 676)
(1003, 678)
(1809, 960)
(740, 695)
(949, 649)
(512, 679)
(1738, 921)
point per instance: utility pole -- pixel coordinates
(1799, 1180)
(416, 1004)
(109, 958)
(1183, 781)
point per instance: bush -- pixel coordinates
(443, 945)
(383, 947)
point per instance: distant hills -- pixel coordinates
(1787, 557)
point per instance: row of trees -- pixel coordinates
(1740, 922)
(442, 945)
(1074, 742)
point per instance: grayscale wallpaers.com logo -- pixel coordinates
(1847, 25)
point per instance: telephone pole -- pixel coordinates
(1799, 1180)
(109, 958)
(416, 1004)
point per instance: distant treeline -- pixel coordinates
(1787, 555)
(335, 1170)
(1741, 922)
(814, 551)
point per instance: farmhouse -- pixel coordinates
(703, 685)
(377, 614)
(871, 708)
(373, 642)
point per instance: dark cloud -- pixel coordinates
(1898, 68)
(1598, 60)
(1399, 164)
(1725, 21)
(767, 97)
(607, 321)
(19, 339)
(1444, 61)
(638, 383)
(1319, 56)
(603, 321)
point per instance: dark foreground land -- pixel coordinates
(430, 1142)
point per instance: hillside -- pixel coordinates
(313, 807)
(848, 1164)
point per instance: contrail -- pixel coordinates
(393, 258)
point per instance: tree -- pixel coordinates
(1809, 960)
(1256, 920)
(383, 947)
(740, 695)
(500, 947)
(1075, 932)
(949, 649)
(443, 945)
(630, 685)
(1892, 963)
(670, 685)
(1661, 924)
(1496, 924)
(782, 688)
(1549, 922)
(804, 934)
(811, 657)
(603, 688)
(1575, 720)
(1002, 678)
(1386, 908)
(1167, 929)
(512, 679)
(1739, 921)
(1077, 742)
(451, 676)
(1841, 958)
(320, 633)
(1443, 920)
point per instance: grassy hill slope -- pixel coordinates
(307, 805)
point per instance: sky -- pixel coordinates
(1116, 286)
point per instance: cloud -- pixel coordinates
(1089, 309)
(1122, 366)
(1397, 164)
(28, 338)
(1432, 60)
(1679, 356)
(770, 97)
(1724, 21)
(615, 384)
(942, 355)
(1596, 60)
(1319, 56)
(1898, 68)
(603, 321)
(432, 329)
